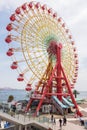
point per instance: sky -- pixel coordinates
(73, 12)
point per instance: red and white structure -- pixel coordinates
(43, 51)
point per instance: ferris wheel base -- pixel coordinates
(57, 74)
(57, 106)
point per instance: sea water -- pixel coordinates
(22, 94)
(18, 94)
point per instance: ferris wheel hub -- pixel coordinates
(60, 45)
(52, 48)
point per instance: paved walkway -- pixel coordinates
(69, 126)
(82, 109)
(26, 120)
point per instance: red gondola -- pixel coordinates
(8, 39)
(13, 18)
(9, 27)
(20, 77)
(14, 65)
(10, 52)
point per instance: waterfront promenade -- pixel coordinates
(25, 120)
(43, 122)
(68, 126)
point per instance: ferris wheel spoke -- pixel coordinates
(25, 71)
(37, 57)
(21, 61)
(31, 80)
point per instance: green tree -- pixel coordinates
(75, 92)
(10, 98)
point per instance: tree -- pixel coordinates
(75, 92)
(10, 98)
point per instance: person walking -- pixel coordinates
(64, 120)
(54, 121)
(52, 118)
(60, 123)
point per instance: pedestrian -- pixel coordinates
(64, 120)
(52, 118)
(54, 121)
(50, 111)
(81, 121)
(60, 123)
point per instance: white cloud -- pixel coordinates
(82, 81)
(8, 4)
(79, 17)
(57, 4)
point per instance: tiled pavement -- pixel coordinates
(69, 126)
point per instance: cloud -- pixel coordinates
(82, 81)
(10, 4)
(84, 62)
(78, 17)
(7, 4)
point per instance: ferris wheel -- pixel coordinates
(34, 31)
(31, 28)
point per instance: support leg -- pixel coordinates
(39, 106)
(71, 94)
(28, 105)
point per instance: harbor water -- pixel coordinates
(22, 94)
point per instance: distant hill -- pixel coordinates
(8, 88)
